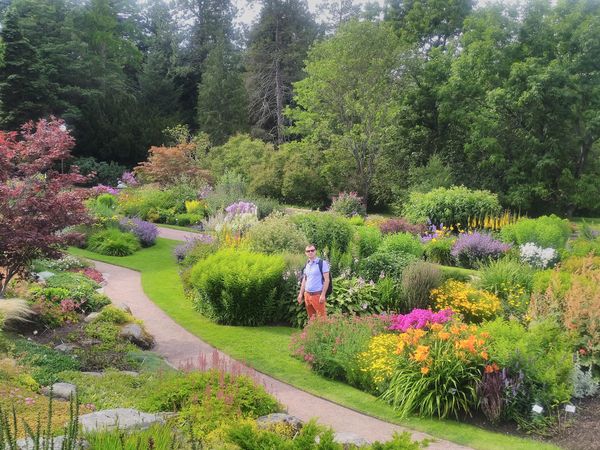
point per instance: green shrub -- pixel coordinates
(325, 230)
(106, 200)
(76, 284)
(543, 352)
(402, 243)
(384, 264)
(156, 437)
(348, 204)
(511, 281)
(354, 296)
(451, 206)
(585, 247)
(45, 364)
(545, 231)
(368, 240)
(276, 234)
(457, 273)
(439, 251)
(154, 204)
(238, 287)
(113, 242)
(107, 173)
(112, 314)
(184, 219)
(418, 279)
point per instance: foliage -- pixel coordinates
(54, 307)
(238, 287)
(585, 247)
(45, 364)
(276, 234)
(64, 263)
(475, 248)
(450, 206)
(545, 231)
(157, 437)
(584, 384)
(542, 352)
(439, 250)
(34, 197)
(99, 172)
(325, 230)
(348, 204)
(146, 232)
(474, 305)
(113, 242)
(193, 250)
(331, 345)
(402, 243)
(384, 264)
(418, 279)
(354, 296)
(368, 239)
(400, 225)
(437, 371)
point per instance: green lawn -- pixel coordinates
(593, 222)
(266, 349)
(177, 227)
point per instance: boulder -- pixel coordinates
(63, 391)
(136, 334)
(65, 347)
(272, 420)
(349, 439)
(121, 418)
(57, 444)
(43, 276)
(121, 306)
(91, 317)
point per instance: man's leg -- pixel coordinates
(308, 302)
(320, 308)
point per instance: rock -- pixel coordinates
(121, 418)
(90, 342)
(43, 276)
(136, 334)
(91, 317)
(100, 290)
(121, 306)
(62, 391)
(28, 444)
(349, 439)
(65, 347)
(271, 420)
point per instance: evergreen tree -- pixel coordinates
(278, 46)
(221, 94)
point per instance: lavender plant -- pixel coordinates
(146, 232)
(472, 249)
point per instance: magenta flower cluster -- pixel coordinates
(241, 208)
(129, 179)
(103, 189)
(419, 318)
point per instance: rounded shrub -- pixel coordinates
(545, 231)
(276, 234)
(348, 204)
(451, 206)
(439, 251)
(238, 287)
(325, 230)
(384, 264)
(113, 242)
(368, 240)
(402, 242)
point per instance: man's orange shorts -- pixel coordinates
(313, 306)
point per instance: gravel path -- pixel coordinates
(185, 350)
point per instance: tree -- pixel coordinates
(37, 203)
(277, 47)
(221, 95)
(348, 101)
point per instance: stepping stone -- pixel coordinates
(65, 347)
(62, 391)
(121, 418)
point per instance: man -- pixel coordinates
(314, 284)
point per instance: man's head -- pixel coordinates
(311, 251)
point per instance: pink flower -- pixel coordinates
(419, 318)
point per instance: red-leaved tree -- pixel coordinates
(37, 201)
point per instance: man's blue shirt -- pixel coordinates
(314, 281)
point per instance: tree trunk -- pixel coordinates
(279, 88)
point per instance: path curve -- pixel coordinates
(184, 350)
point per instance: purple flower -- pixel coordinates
(103, 189)
(205, 191)
(181, 251)
(129, 179)
(241, 208)
(146, 232)
(477, 247)
(419, 318)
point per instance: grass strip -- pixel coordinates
(267, 350)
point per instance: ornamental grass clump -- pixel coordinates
(113, 242)
(473, 304)
(146, 232)
(436, 371)
(476, 248)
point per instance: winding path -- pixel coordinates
(185, 350)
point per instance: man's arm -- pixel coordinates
(301, 293)
(325, 286)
